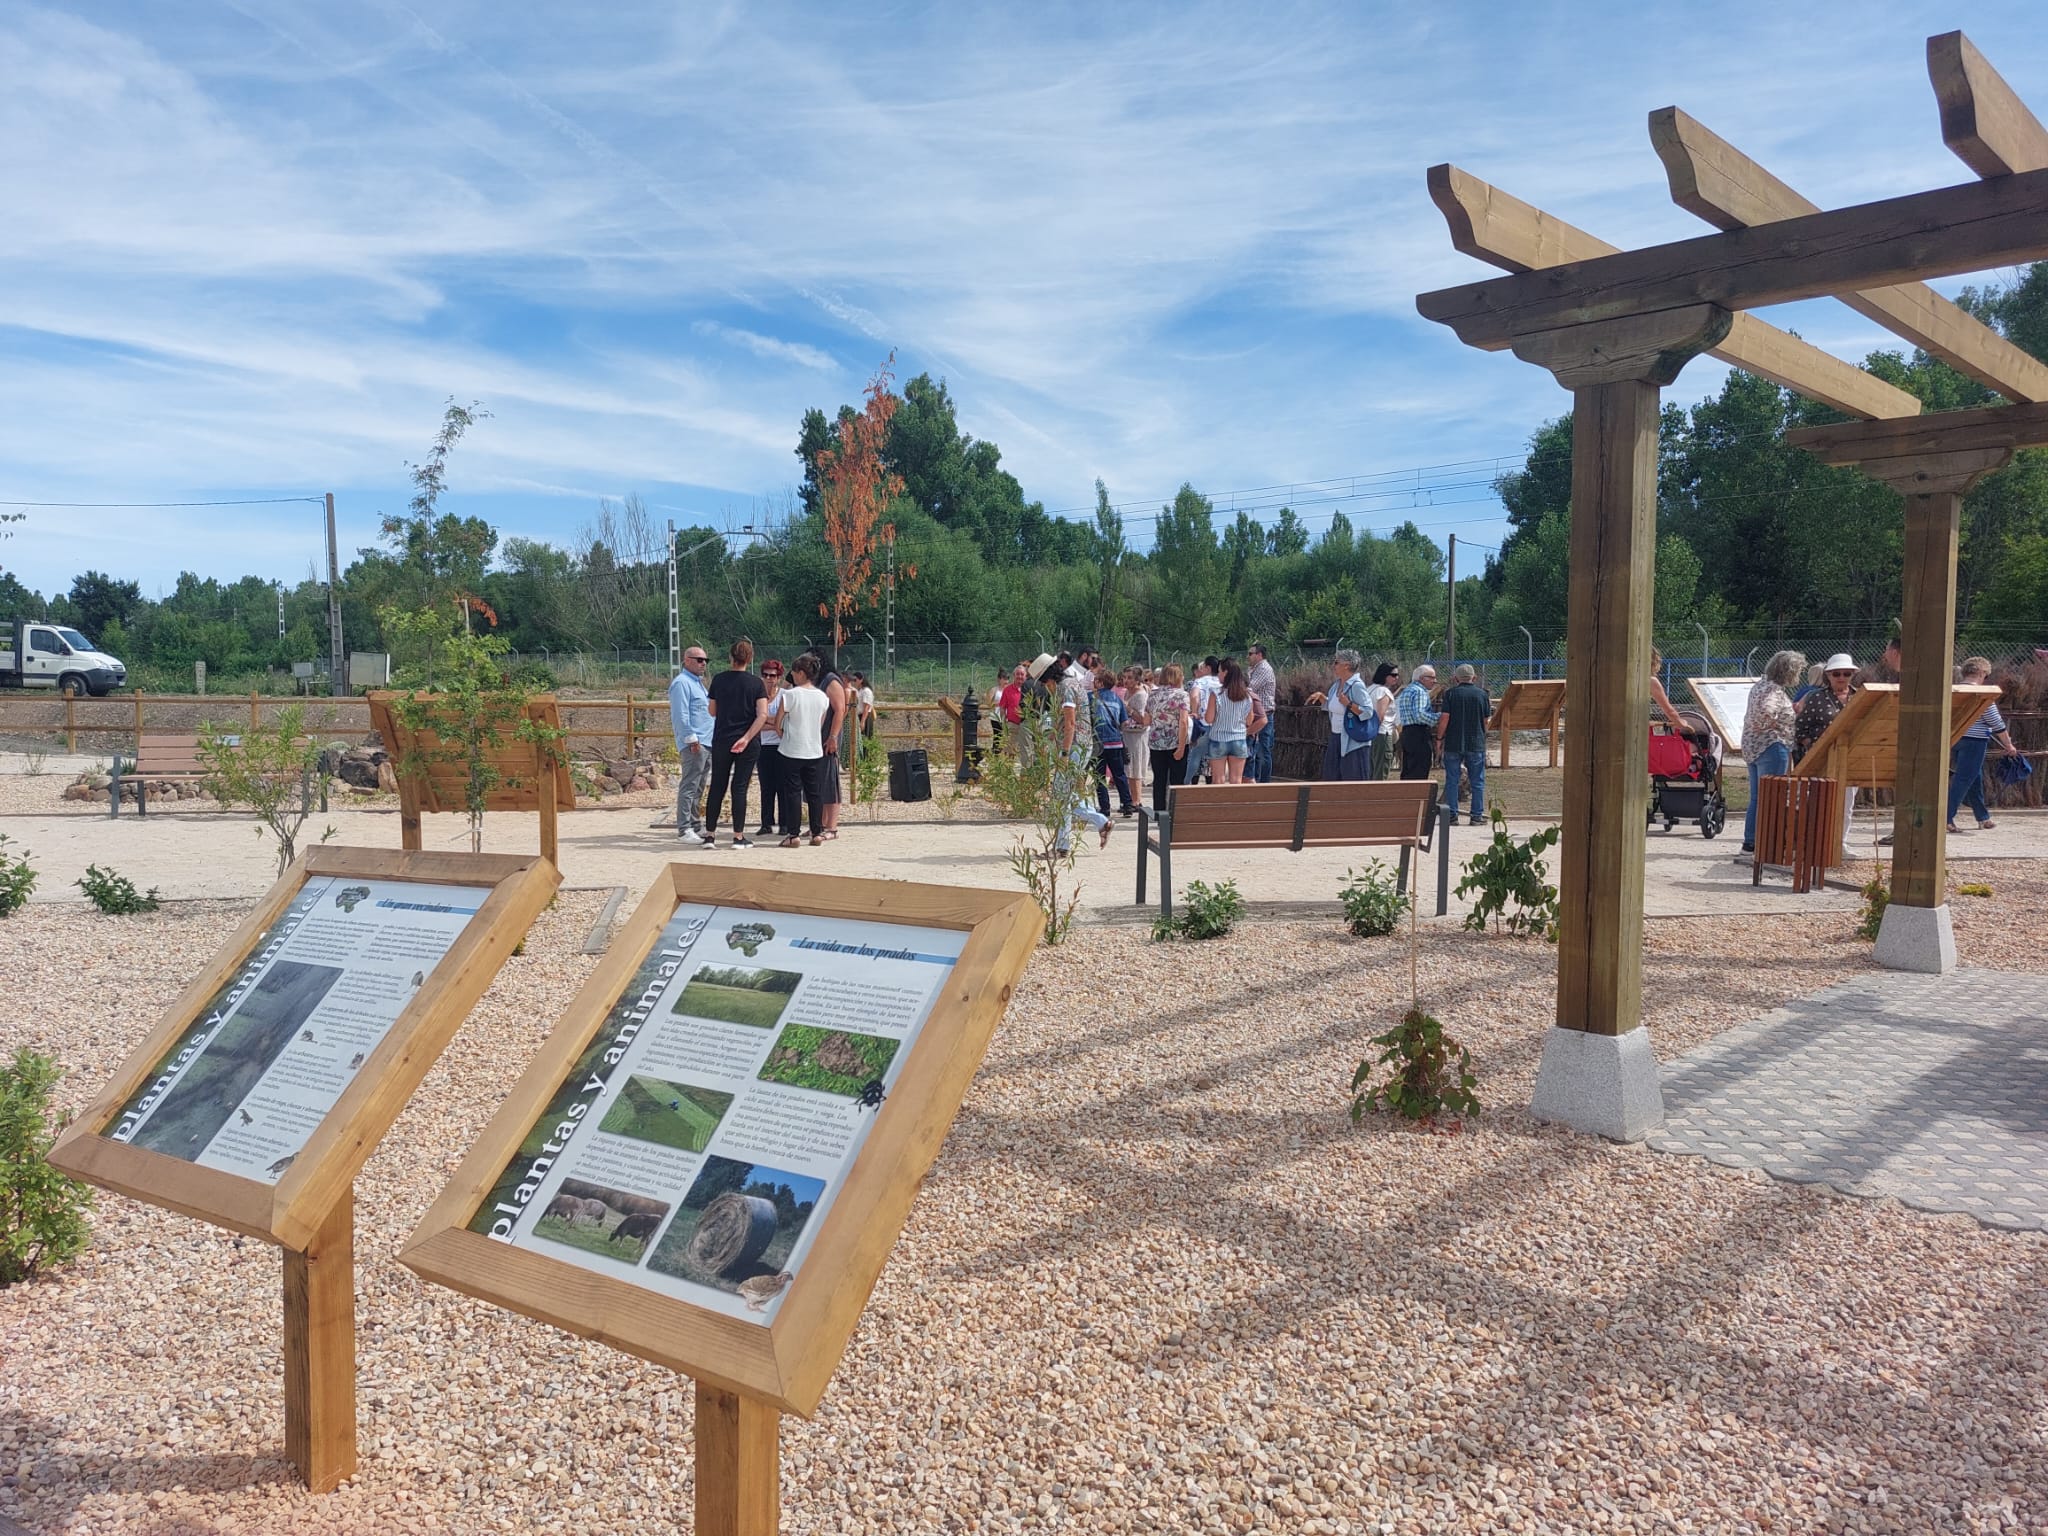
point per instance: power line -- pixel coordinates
(104, 506)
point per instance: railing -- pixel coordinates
(119, 722)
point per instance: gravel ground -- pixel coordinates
(1157, 1281)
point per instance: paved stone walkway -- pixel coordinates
(1929, 1089)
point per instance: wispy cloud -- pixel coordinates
(768, 347)
(256, 246)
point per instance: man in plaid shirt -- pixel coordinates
(1417, 719)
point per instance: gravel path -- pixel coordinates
(1157, 1281)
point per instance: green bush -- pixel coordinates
(1508, 875)
(17, 878)
(42, 1212)
(1205, 912)
(1428, 1073)
(1876, 897)
(1373, 903)
(115, 894)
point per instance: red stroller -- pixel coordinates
(1685, 775)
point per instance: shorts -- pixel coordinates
(1237, 748)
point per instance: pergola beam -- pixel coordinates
(1987, 125)
(2002, 428)
(1713, 179)
(1968, 228)
(1499, 228)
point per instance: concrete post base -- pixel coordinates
(1603, 1084)
(1917, 939)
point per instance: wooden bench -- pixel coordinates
(1372, 813)
(173, 759)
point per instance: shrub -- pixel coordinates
(17, 878)
(115, 894)
(870, 771)
(1876, 897)
(1046, 786)
(271, 770)
(1973, 888)
(1428, 1073)
(1205, 912)
(1373, 903)
(1508, 874)
(42, 1212)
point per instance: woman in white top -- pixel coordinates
(1234, 716)
(1380, 696)
(800, 711)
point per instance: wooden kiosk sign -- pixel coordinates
(432, 776)
(1529, 704)
(1860, 747)
(711, 1157)
(270, 1081)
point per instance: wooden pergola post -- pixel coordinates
(1932, 465)
(1599, 1073)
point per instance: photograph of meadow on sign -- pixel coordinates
(830, 1060)
(679, 1115)
(738, 994)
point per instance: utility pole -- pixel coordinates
(675, 617)
(889, 611)
(1451, 607)
(280, 609)
(337, 661)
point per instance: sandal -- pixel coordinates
(791, 842)
(1953, 829)
(1986, 825)
(815, 839)
(1107, 828)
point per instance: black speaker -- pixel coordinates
(910, 774)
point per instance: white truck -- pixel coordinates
(34, 654)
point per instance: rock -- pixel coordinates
(354, 768)
(387, 777)
(80, 792)
(621, 771)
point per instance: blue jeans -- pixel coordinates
(1260, 769)
(1198, 754)
(1966, 777)
(1473, 766)
(1773, 762)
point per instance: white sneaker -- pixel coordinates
(690, 836)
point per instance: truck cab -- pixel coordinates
(36, 654)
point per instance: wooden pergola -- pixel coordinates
(1614, 327)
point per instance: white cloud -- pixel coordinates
(258, 246)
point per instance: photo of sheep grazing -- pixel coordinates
(596, 1219)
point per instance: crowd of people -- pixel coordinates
(1126, 732)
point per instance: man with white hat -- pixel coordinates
(1817, 712)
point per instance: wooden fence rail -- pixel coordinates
(120, 721)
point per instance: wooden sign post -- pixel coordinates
(433, 776)
(1723, 700)
(711, 1157)
(1529, 704)
(1860, 747)
(271, 1080)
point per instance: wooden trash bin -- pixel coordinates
(1795, 826)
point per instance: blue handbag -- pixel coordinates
(2013, 769)
(1360, 730)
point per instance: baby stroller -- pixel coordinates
(1685, 775)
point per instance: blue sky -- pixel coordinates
(252, 246)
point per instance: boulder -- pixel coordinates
(386, 777)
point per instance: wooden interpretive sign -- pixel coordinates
(1529, 704)
(1724, 701)
(270, 1081)
(711, 1157)
(433, 774)
(1860, 748)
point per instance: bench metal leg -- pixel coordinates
(1443, 859)
(1141, 858)
(1166, 866)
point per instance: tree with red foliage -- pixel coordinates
(857, 486)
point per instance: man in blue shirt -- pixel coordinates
(689, 716)
(1417, 719)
